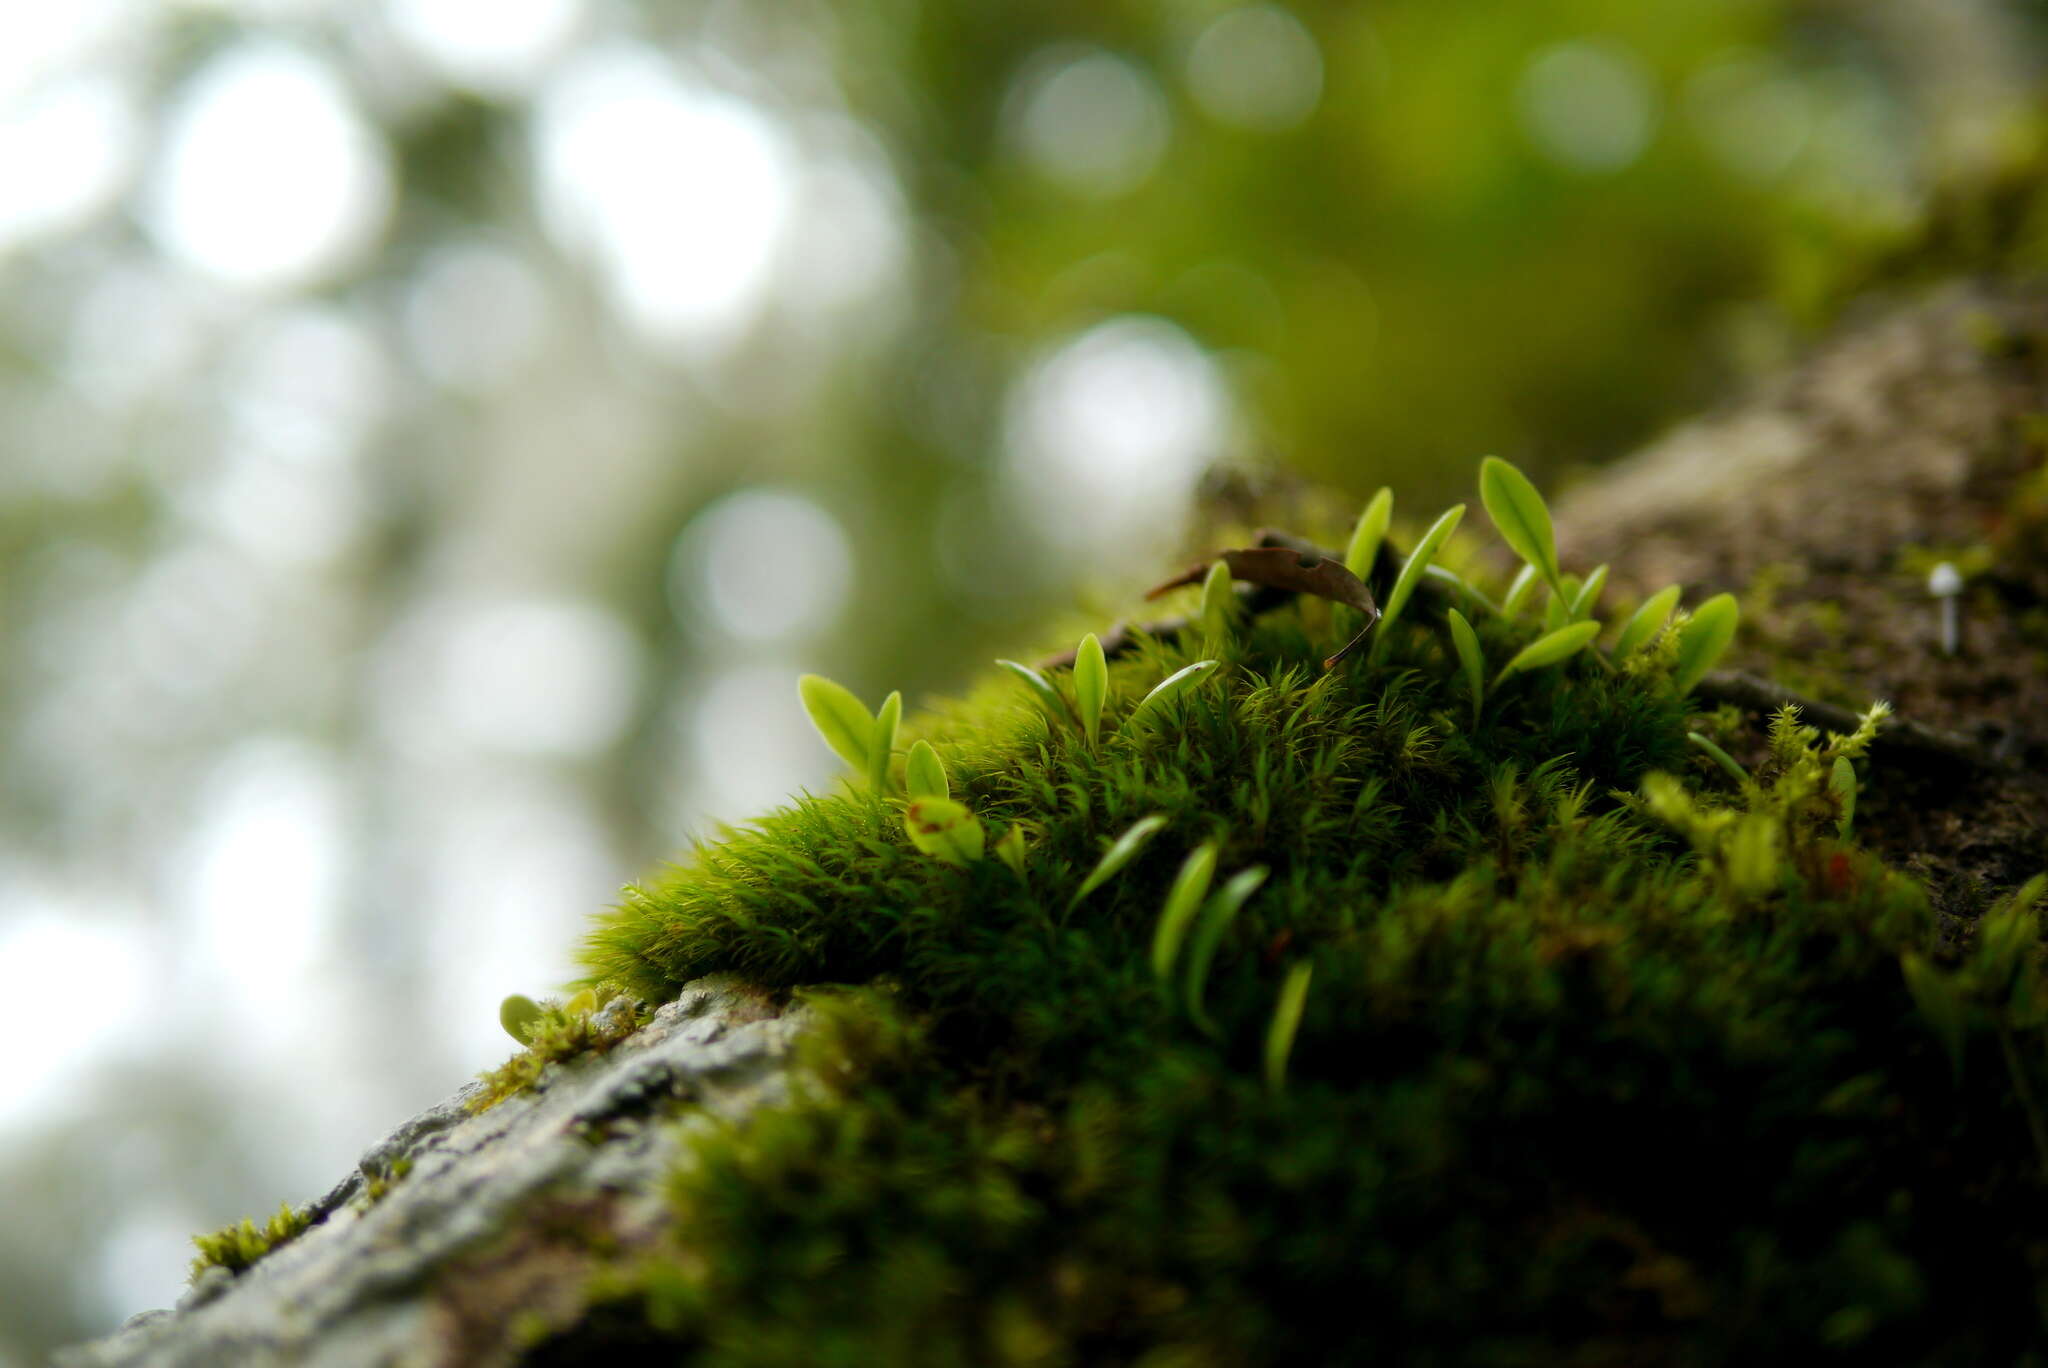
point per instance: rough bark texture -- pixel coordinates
(1918, 430)
(487, 1237)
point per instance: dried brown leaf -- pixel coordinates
(1295, 572)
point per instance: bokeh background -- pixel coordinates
(435, 435)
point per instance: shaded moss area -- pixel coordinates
(1576, 1081)
(238, 1246)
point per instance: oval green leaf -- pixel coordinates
(1183, 900)
(1521, 517)
(1588, 596)
(924, 774)
(1369, 533)
(1561, 644)
(1219, 605)
(1645, 621)
(1412, 572)
(1703, 638)
(1466, 641)
(840, 718)
(1217, 915)
(944, 830)
(1519, 590)
(1121, 853)
(519, 1014)
(1010, 850)
(1177, 682)
(1091, 683)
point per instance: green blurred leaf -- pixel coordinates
(1180, 680)
(1469, 659)
(1369, 533)
(1588, 596)
(882, 742)
(1702, 640)
(844, 722)
(1842, 783)
(1559, 645)
(1091, 683)
(1122, 852)
(1517, 597)
(944, 830)
(924, 774)
(1219, 606)
(1217, 915)
(1286, 1021)
(1412, 571)
(1183, 901)
(1522, 518)
(1644, 622)
(1048, 697)
(1010, 850)
(519, 1014)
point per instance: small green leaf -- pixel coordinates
(1174, 683)
(839, 717)
(883, 742)
(1217, 915)
(519, 1014)
(1522, 518)
(1842, 783)
(1727, 762)
(1183, 900)
(944, 830)
(1469, 659)
(1041, 688)
(1010, 850)
(924, 774)
(1412, 571)
(1702, 640)
(1369, 533)
(1519, 590)
(1561, 644)
(1118, 855)
(1091, 683)
(1643, 624)
(1443, 574)
(1219, 605)
(1588, 596)
(1286, 1021)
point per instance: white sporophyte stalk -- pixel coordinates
(1945, 582)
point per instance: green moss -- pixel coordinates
(561, 1032)
(1595, 1067)
(236, 1247)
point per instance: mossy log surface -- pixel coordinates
(1513, 1029)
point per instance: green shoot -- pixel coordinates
(1517, 598)
(1522, 518)
(840, 718)
(1041, 688)
(1219, 606)
(1644, 622)
(1559, 645)
(1842, 783)
(1411, 574)
(1091, 683)
(517, 1014)
(882, 742)
(1443, 574)
(924, 774)
(1166, 688)
(944, 830)
(1588, 596)
(1183, 900)
(1720, 757)
(1121, 853)
(1286, 1021)
(1469, 659)
(1010, 850)
(1217, 915)
(1702, 640)
(1366, 537)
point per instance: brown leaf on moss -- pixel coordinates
(1296, 572)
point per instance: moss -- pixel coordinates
(236, 1247)
(561, 1032)
(1595, 1067)
(378, 1182)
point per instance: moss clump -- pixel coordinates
(236, 1247)
(561, 1031)
(1608, 1057)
